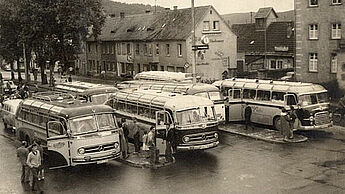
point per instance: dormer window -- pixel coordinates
(336, 2)
(216, 25)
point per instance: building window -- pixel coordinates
(157, 49)
(334, 63)
(273, 64)
(145, 49)
(206, 25)
(313, 3)
(118, 48)
(129, 49)
(167, 49)
(96, 48)
(89, 48)
(279, 64)
(150, 49)
(123, 48)
(313, 62)
(216, 25)
(313, 32)
(137, 49)
(336, 2)
(336, 31)
(112, 49)
(179, 50)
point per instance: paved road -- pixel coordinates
(237, 165)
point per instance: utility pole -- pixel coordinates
(27, 78)
(193, 43)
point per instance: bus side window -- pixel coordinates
(55, 129)
(252, 94)
(228, 91)
(278, 97)
(245, 94)
(237, 94)
(263, 95)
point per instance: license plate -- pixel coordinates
(102, 161)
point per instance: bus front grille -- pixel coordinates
(100, 148)
(202, 137)
(322, 118)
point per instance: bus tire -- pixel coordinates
(276, 123)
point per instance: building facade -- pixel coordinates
(319, 33)
(265, 48)
(163, 41)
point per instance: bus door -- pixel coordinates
(163, 120)
(58, 145)
(235, 105)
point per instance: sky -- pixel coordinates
(222, 6)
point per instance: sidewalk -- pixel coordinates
(268, 135)
(142, 159)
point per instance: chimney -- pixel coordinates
(175, 7)
(122, 15)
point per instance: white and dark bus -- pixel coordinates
(192, 117)
(266, 98)
(165, 76)
(200, 89)
(73, 133)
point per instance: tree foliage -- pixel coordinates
(53, 29)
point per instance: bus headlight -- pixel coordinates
(116, 145)
(311, 118)
(216, 135)
(185, 139)
(81, 151)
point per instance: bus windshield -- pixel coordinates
(99, 99)
(89, 123)
(323, 97)
(194, 116)
(214, 96)
(202, 94)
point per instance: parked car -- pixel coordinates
(8, 112)
(7, 86)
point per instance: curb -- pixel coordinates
(144, 165)
(270, 140)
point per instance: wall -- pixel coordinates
(323, 15)
(222, 46)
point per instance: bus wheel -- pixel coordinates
(276, 123)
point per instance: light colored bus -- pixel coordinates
(88, 92)
(192, 117)
(200, 89)
(8, 112)
(267, 98)
(164, 76)
(74, 133)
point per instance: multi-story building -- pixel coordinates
(265, 48)
(319, 34)
(163, 41)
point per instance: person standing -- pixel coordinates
(22, 154)
(136, 136)
(169, 143)
(293, 117)
(34, 162)
(123, 140)
(285, 124)
(145, 142)
(40, 168)
(247, 116)
(151, 144)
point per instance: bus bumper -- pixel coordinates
(316, 126)
(95, 160)
(197, 147)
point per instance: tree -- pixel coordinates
(55, 29)
(10, 42)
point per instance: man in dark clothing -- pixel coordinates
(22, 154)
(247, 115)
(169, 144)
(136, 136)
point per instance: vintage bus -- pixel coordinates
(192, 117)
(164, 76)
(266, 98)
(200, 89)
(73, 133)
(88, 92)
